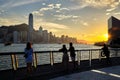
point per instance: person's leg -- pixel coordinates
(108, 58)
(29, 67)
(74, 62)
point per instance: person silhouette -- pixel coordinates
(72, 53)
(65, 58)
(106, 52)
(29, 56)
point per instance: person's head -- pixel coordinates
(64, 46)
(105, 45)
(28, 45)
(70, 44)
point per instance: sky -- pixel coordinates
(87, 20)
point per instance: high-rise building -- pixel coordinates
(45, 36)
(30, 30)
(15, 36)
(41, 31)
(114, 30)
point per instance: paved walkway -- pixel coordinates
(110, 73)
(47, 72)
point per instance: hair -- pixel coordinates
(28, 45)
(64, 46)
(70, 43)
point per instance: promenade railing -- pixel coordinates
(86, 54)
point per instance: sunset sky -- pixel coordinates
(83, 19)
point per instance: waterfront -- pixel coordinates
(88, 58)
(44, 58)
(5, 61)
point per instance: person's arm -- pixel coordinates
(60, 50)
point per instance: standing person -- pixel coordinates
(29, 57)
(106, 52)
(72, 53)
(65, 58)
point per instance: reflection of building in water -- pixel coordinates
(114, 30)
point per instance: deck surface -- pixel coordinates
(46, 72)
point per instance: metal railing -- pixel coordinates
(79, 53)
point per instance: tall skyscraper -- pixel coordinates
(30, 21)
(30, 30)
(114, 30)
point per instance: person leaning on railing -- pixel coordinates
(106, 52)
(65, 58)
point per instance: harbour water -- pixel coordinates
(5, 61)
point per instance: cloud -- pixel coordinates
(84, 23)
(111, 9)
(61, 17)
(107, 13)
(37, 13)
(97, 3)
(45, 9)
(15, 3)
(114, 13)
(54, 25)
(2, 11)
(50, 7)
(64, 9)
(7, 21)
(117, 13)
(24, 2)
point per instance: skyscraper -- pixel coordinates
(30, 30)
(30, 21)
(114, 30)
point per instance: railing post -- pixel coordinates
(90, 58)
(116, 52)
(16, 61)
(78, 57)
(13, 62)
(35, 60)
(99, 55)
(51, 58)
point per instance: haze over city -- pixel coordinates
(83, 19)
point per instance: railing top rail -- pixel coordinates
(9, 53)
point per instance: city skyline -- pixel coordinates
(83, 19)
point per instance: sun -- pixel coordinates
(106, 37)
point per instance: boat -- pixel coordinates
(7, 43)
